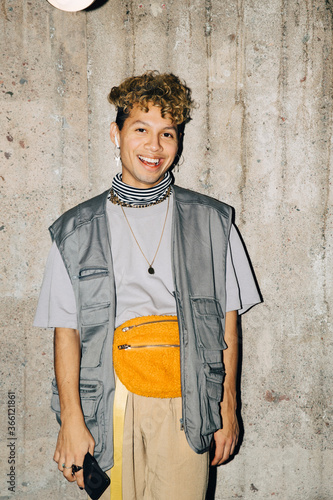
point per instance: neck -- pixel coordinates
(135, 196)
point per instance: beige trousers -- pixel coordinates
(158, 463)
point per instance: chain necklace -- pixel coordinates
(117, 201)
(151, 270)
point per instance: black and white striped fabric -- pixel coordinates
(135, 196)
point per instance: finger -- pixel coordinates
(223, 455)
(233, 446)
(56, 456)
(79, 478)
(61, 464)
(226, 454)
(65, 466)
(78, 475)
(91, 446)
(234, 443)
(219, 445)
(217, 457)
(68, 475)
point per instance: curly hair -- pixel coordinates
(164, 90)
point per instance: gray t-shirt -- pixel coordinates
(138, 292)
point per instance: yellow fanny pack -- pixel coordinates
(146, 356)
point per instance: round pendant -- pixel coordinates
(151, 270)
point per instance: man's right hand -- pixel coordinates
(74, 441)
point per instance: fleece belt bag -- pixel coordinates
(146, 356)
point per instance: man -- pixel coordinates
(147, 253)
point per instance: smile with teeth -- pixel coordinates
(150, 161)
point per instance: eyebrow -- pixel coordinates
(167, 127)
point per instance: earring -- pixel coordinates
(117, 157)
(178, 161)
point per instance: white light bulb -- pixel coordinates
(71, 5)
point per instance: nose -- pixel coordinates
(153, 143)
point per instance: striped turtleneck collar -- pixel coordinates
(134, 196)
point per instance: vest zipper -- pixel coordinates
(129, 346)
(149, 323)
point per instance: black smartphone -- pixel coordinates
(95, 479)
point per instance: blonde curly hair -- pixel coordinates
(165, 90)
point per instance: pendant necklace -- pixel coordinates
(151, 270)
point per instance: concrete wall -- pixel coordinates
(261, 73)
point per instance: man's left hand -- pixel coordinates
(227, 437)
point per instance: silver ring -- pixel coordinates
(64, 467)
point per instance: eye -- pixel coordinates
(168, 135)
(141, 130)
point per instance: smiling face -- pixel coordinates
(148, 146)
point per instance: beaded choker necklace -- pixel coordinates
(129, 196)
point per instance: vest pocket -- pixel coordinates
(210, 388)
(92, 343)
(93, 332)
(91, 396)
(208, 315)
(95, 314)
(94, 289)
(88, 273)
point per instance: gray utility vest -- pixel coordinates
(200, 234)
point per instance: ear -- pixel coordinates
(114, 134)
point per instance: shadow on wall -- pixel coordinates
(96, 5)
(213, 470)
